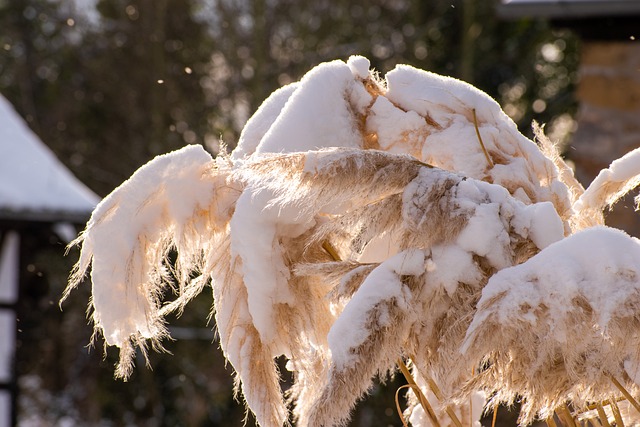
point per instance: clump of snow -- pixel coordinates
(318, 113)
(486, 215)
(438, 96)
(451, 265)
(395, 127)
(565, 270)
(359, 66)
(544, 226)
(254, 238)
(383, 284)
(261, 121)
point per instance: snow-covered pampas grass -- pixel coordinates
(608, 187)
(560, 326)
(361, 223)
(167, 204)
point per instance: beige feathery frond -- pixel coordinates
(256, 373)
(433, 200)
(129, 236)
(562, 172)
(550, 345)
(386, 322)
(551, 152)
(611, 184)
(420, 235)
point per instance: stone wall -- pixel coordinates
(608, 117)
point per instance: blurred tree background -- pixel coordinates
(109, 84)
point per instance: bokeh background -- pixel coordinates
(109, 84)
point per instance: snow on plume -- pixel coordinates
(361, 222)
(383, 284)
(260, 123)
(321, 112)
(125, 237)
(612, 183)
(573, 306)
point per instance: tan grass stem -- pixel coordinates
(423, 164)
(593, 406)
(495, 415)
(327, 246)
(565, 414)
(436, 390)
(616, 413)
(421, 397)
(604, 420)
(624, 391)
(398, 408)
(416, 390)
(550, 422)
(473, 374)
(484, 149)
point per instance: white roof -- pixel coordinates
(34, 184)
(567, 8)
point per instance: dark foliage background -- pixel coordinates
(109, 84)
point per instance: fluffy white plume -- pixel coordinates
(610, 185)
(558, 326)
(167, 203)
(361, 222)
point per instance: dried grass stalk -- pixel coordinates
(424, 402)
(616, 413)
(484, 149)
(602, 415)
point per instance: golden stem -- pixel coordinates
(404, 423)
(421, 397)
(434, 388)
(473, 374)
(495, 415)
(470, 411)
(604, 420)
(593, 406)
(626, 394)
(550, 422)
(423, 164)
(616, 413)
(566, 415)
(484, 150)
(327, 246)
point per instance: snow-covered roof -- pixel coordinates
(34, 184)
(572, 9)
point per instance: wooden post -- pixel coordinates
(607, 118)
(9, 277)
